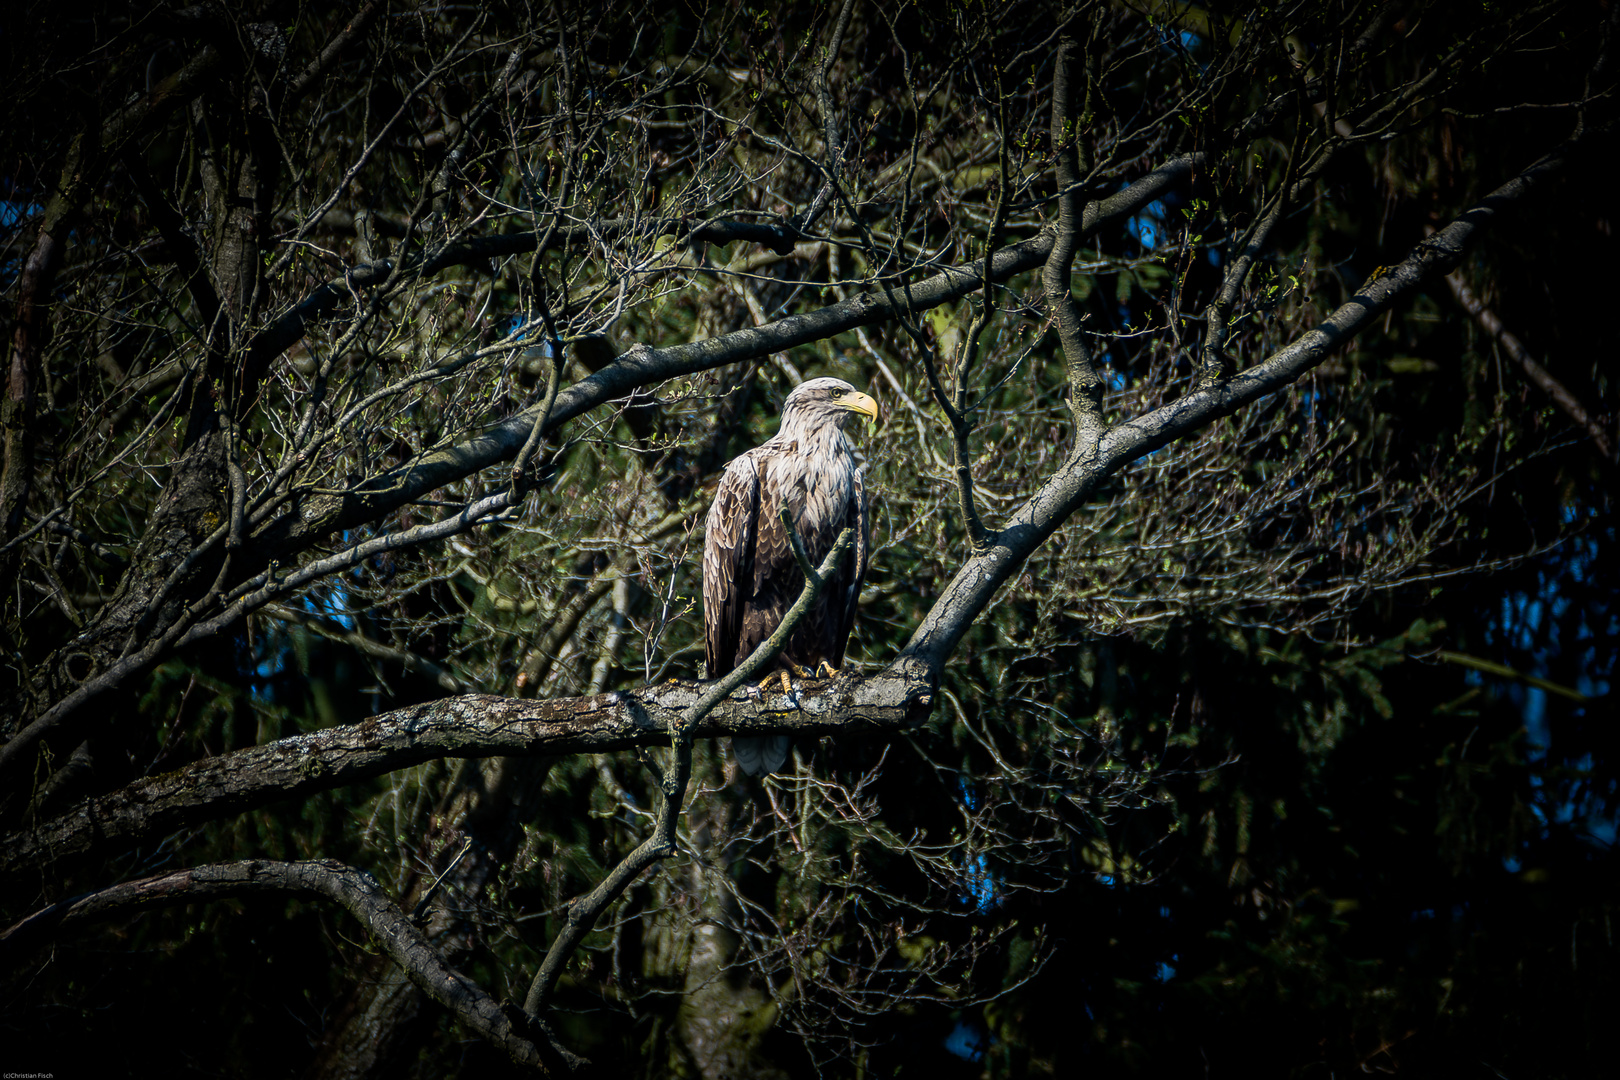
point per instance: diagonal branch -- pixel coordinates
(1533, 370)
(356, 29)
(975, 585)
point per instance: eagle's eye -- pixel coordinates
(838, 393)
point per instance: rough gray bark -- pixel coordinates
(475, 725)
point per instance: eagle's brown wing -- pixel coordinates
(728, 562)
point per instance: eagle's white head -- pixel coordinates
(818, 402)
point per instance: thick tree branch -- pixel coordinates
(472, 726)
(1085, 384)
(281, 333)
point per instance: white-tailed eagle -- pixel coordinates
(750, 577)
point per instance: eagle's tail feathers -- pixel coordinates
(760, 755)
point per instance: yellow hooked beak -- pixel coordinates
(859, 402)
